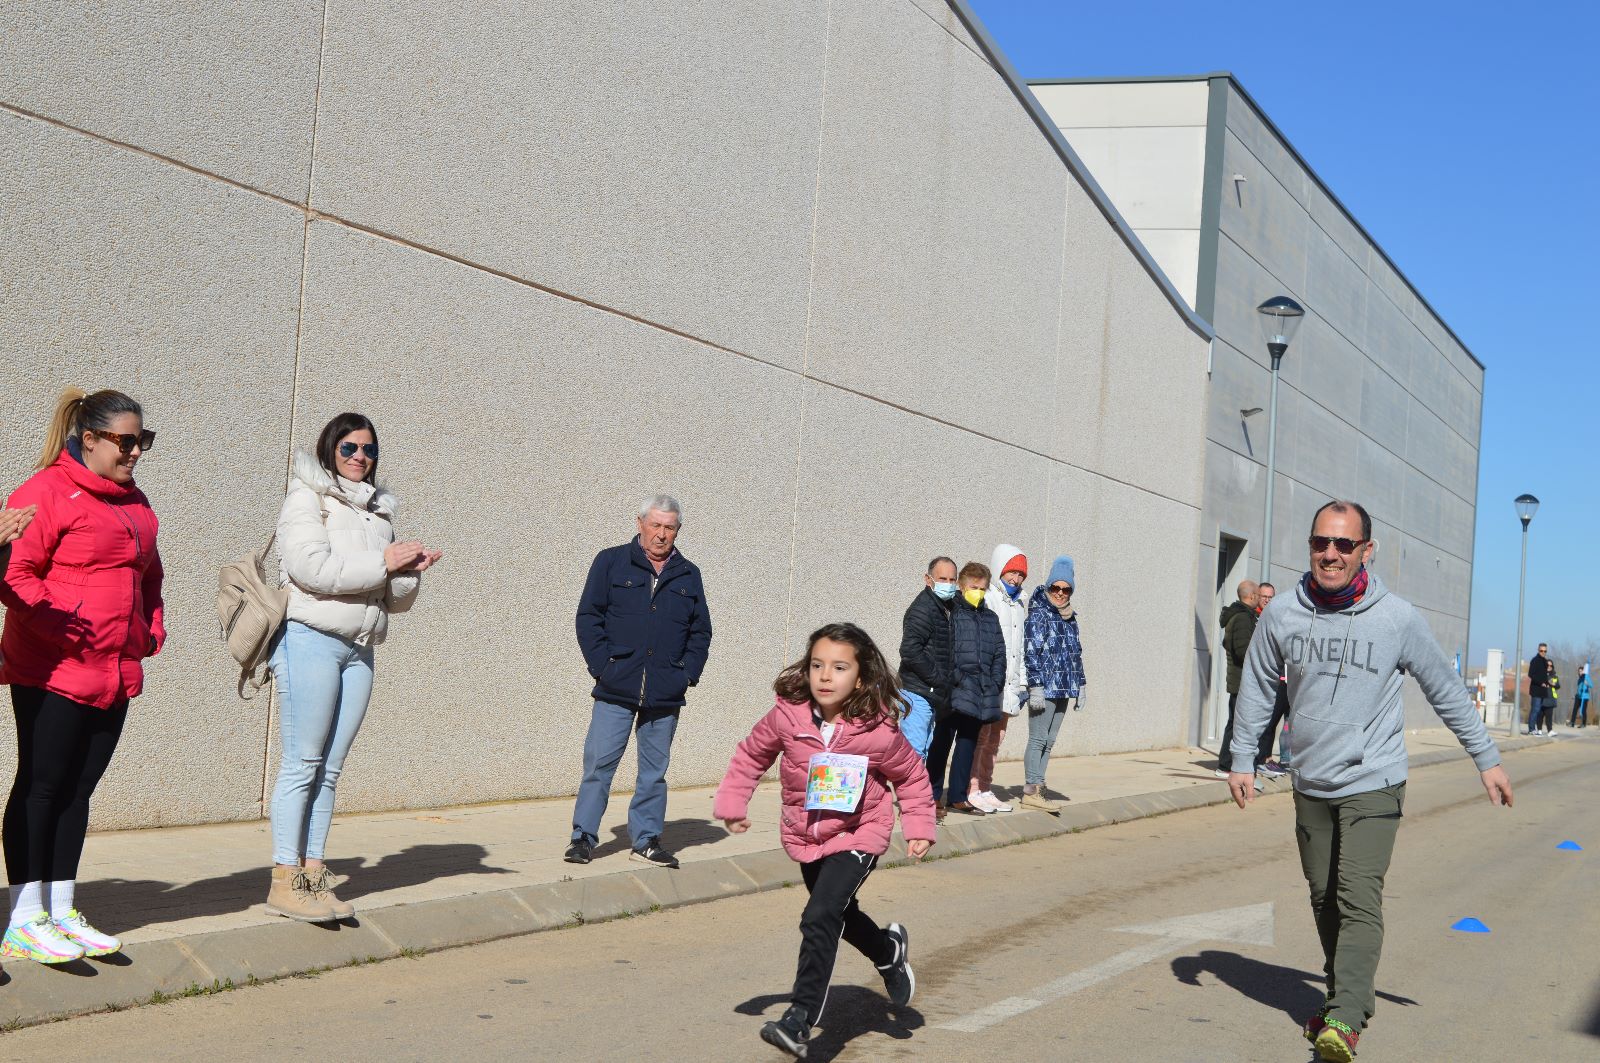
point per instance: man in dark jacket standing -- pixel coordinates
(926, 666)
(1238, 624)
(1538, 686)
(644, 630)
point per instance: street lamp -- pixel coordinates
(1280, 318)
(1527, 506)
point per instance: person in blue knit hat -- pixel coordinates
(1053, 661)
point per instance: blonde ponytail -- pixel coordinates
(61, 425)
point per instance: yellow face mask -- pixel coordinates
(974, 597)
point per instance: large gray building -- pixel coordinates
(809, 265)
(1380, 401)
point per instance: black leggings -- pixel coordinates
(63, 749)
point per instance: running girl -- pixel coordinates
(835, 726)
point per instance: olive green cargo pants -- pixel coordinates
(1345, 846)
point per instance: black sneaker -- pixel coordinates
(789, 1033)
(652, 853)
(898, 980)
(579, 852)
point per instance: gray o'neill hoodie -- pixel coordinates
(1345, 671)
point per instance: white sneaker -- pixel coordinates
(1219, 773)
(995, 804)
(76, 929)
(982, 799)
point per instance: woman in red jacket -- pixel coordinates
(82, 591)
(836, 726)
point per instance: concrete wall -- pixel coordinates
(1145, 142)
(805, 264)
(1378, 400)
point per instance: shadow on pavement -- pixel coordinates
(675, 835)
(121, 905)
(1298, 994)
(851, 1011)
(1592, 1026)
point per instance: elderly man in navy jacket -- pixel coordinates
(644, 630)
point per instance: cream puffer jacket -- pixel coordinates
(1013, 613)
(334, 568)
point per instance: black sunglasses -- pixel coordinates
(126, 441)
(1058, 590)
(348, 450)
(1320, 543)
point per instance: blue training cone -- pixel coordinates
(1574, 846)
(1470, 926)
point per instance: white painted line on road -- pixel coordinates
(1251, 925)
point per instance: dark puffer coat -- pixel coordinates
(980, 659)
(927, 667)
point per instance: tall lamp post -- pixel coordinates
(1280, 318)
(1527, 506)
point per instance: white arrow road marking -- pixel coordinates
(1251, 925)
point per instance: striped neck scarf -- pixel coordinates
(1338, 600)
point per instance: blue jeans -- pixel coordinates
(1043, 727)
(603, 747)
(324, 684)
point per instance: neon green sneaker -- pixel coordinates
(1337, 1042)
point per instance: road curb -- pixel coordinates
(154, 971)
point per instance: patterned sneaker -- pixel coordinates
(76, 929)
(40, 941)
(1337, 1042)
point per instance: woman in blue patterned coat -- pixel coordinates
(1053, 657)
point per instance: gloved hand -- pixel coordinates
(1077, 704)
(1037, 702)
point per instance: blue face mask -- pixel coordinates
(944, 591)
(1010, 590)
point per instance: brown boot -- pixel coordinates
(291, 896)
(322, 882)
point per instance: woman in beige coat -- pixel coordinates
(345, 574)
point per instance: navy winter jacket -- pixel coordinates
(980, 659)
(925, 663)
(644, 648)
(1052, 649)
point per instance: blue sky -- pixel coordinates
(1463, 136)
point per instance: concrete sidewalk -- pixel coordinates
(187, 901)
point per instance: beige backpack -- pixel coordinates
(250, 610)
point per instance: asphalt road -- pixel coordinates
(1021, 953)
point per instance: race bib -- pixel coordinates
(835, 782)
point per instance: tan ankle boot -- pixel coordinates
(291, 896)
(322, 882)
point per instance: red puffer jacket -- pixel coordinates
(790, 731)
(83, 589)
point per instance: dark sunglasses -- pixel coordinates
(348, 450)
(1320, 543)
(1058, 590)
(126, 441)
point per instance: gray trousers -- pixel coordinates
(1043, 727)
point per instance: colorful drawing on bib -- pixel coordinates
(835, 782)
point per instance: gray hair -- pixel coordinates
(663, 503)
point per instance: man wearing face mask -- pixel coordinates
(926, 670)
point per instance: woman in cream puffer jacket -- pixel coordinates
(345, 574)
(334, 568)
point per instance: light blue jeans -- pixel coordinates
(324, 684)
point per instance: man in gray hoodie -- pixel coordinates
(1346, 645)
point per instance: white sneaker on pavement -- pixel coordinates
(982, 799)
(995, 804)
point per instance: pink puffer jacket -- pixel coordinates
(807, 836)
